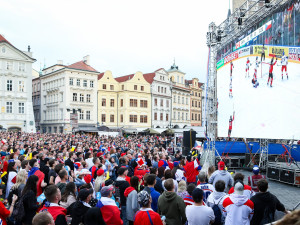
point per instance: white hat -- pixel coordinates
(239, 188)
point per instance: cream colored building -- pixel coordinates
(180, 98)
(196, 101)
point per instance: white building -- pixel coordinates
(15, 88)
(68, 91)
(161, 98)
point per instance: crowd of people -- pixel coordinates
(86, 179)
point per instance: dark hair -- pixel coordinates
(50, 192)
(238, 176)
(168, 174)
(153, 170)
(220, 186)
(10, 167)
(190, 188)
(51, 162)
(70, 190)
(262, 185)
(197, 195)
(95, 159)
(122, 161)
(134, 182)
(42, 218)
(71, 154)
(32, 162)
(30, 184)
(62, 173)
(58, 167)
(87, 155)
(24, 164)
(161, 172)
(151, 179)
(169, 184)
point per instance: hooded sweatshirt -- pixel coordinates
(55, 210)
(172, 207)
(217, 198)
(110, 211)
(132, 205)
(264, 202)
(238, 209)
(122, 184)
(221, 175)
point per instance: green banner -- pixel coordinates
(220, 63)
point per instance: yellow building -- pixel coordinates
(124, 101)
(196, 101)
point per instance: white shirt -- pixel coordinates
(284, 60)
(207, 190)
(199, 215)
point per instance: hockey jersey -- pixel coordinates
(207, 190)
(284, 60)
(271, 66)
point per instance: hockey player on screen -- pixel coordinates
(263, 53)
(231, 119)
(284, 62)
(230, 89)
(248, 64)
(231, 67)
(256, 67)
(271, 71)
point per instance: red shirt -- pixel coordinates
(190, 172)
(4, 213)
(271, 67)
(142, 217)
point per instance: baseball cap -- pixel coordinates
(143, 198)
(221, 165)
(84, 193)
(255, 169)
(239, 187)
(100, 172)
(106, 190)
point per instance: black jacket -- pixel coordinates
(69, 163)
(122, 184)
(30, 207)
(262, 201)
(78, 212)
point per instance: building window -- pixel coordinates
(81, 115)
(9, 85)
(143, 119)
(103, 118)
(123, 87)
(177, 79)
(155, 116)
(186, 116)
(111, 87)
(142, 88)
(8, 107)
(186, 100)
(121, 118)
(155, 102)
(112, 118)
(167, 103)
(103, 102)
(167, 117)
(84, 83)
(182, 116)
(81, 98)
(196, 94)
(199, 117)
(21, 107)
(88, 115)
(179, 99)
(192, 116)
(22, 67)
(165, 90)
(71, 81)
(78, 82)
(192, 103)
(162, 102)
(112, 103)
(88, 98)
(182, 100)
(91, 83)
(174, 115)
(199, 95)
(195, 104)
(21, 86)
(135, 87)
(178, 116)
(74, 97)
(158, 88)
(161, 116)
(143, 103)
(174, 100)
(122, 102)
(182, 80)
(104, 86)
(133, 118)
(9, 65)
(133, 102)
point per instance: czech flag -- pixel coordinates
(268, 25)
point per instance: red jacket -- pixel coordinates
(140, 173)
(55, 211)
(41, 176)
(110, 211)
(142, 217)
(190, 172)
(4, 213)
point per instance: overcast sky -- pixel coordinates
(123, 36)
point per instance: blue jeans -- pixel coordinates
(123, 214)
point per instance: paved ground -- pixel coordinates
(287, 194)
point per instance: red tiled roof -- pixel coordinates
(200, 84)
(189, 81)
(2, 39)
(149, 77)
(82, 66)
(100, 76)
(124, 78)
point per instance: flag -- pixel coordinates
(3, 141)
(72, 149)
(198, 145)
(268, 25)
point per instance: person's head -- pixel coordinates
(123, 171)
(100, 172)
(262, 185)
(96, 161)
(181, 186)
(190, 188)
(290, 218)
(134, 182)
(151, 180)
(2, 187)
(12, 166)
(58, 167)
(221, 165)
(107, 191)
(21, 177)
(33, 163)
(220, 186)
(85, 194)
(189, 158)
(31, 184)
(169, 184)
(153, 171)
(63, 174)
(210, 170)
(168, 174)
(238, 176)
(255, 169)
(202, 177)
(70, 190)
(25, 165)
(52, 163)
(239, 187)
(43, 218)
(144, 199)
(52, 193)
(197, 195)
(161, 171)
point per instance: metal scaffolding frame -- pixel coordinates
(250, 12)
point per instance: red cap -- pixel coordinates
(88, 179)
(100, 172)
(221, 165)
(99, 154)
(123, 154)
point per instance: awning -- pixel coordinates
(130, 130)
(86, 129)
(151, 131)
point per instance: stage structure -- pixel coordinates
(242, 20)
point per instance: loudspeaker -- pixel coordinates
(287, 176)
(273, 173)
(189, 138)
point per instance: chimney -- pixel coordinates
(28, 48)
(86, 60)
(60, 62)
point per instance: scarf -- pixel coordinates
(32, 171)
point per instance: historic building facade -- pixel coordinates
(196, 101)
(36, 100)
(16, 112)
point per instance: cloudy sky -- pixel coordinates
(123, 36)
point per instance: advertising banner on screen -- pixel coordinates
(294, 54)
(244, 52)
(276, 51)
(257, 49)
(231, 57)
(220, 63)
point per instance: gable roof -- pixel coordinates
(2, 39)
(124, 78)
(159, 69)
(81, 65)
(100, 75)
(149, 77)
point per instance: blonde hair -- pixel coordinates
(181, 186)
(21, 178)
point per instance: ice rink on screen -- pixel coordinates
(262, 112)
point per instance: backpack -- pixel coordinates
(19, 211)
(217, 213)
(268, 216)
